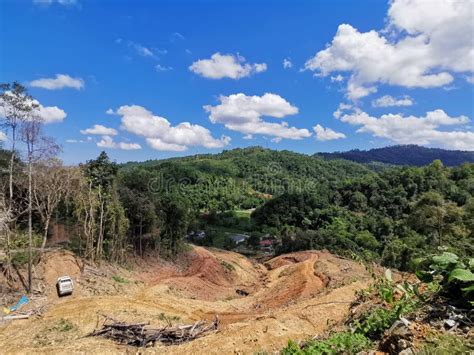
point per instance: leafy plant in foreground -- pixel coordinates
(453, 274)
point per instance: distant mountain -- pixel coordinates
(404, 155)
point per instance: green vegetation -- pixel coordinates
(56, 334)
(64, 325)
(446, 344)
(404, 155)
(227, 266)
(168, 319)
(338, 343)
(119, 279)
(394, 216)
(454, 275)
(388, 302)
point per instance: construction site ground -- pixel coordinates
(260, 305)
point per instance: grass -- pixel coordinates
(168, 319)
(119, 279)
(446, 344)
(243, 213)
(58, 333)
(221, 234)
(64, 325)
(338, 343)
(227, 266)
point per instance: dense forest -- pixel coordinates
(413, 155)
(110, 211)
(307, 202)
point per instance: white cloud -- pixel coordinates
(3, 136)
(338, 78)
(342, 107)
(108, 142)
(161, 135)
(327, 134)
(74, 141)
(158, 144)
(243, 113)
(100, 130)
(48, 114)
(387, 101)
(226, 66)
(177, 36)
(423, 130)
(141, 50)
(110, 112)
(287, 64)
(61, 81)
(160, 68)
(426, 50)
(60, 2)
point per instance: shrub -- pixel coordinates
(453, 274)
(346, 342)
(120, 279)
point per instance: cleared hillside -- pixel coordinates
(292, 296)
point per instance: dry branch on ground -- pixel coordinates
(138, 334)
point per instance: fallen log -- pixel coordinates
(140, 335)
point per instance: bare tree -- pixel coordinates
(37, 147)
(52, 183)
(4, 217)
(87, 202)
(16, 107)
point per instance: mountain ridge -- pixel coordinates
(410, 154)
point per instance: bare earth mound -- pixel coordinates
(261, 306)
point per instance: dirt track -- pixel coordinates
(294, 296)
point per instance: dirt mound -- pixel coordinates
(290, 297)
(288, 259)
(54, 265)
(208, 275)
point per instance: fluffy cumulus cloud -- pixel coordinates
(3, 136)
(327, 134)
(226, 66)
(424, 130)
(413, 51)
(387, 101)
(61, 81)
(98, 129)
(48, 114)
(161, 135)
(243, 113)
(108, 142)
(340, 109)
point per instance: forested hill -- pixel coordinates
(404, 155)
(254, 162)
(242, 178)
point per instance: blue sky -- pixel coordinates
(156, 65)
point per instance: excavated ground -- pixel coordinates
(293, 296)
